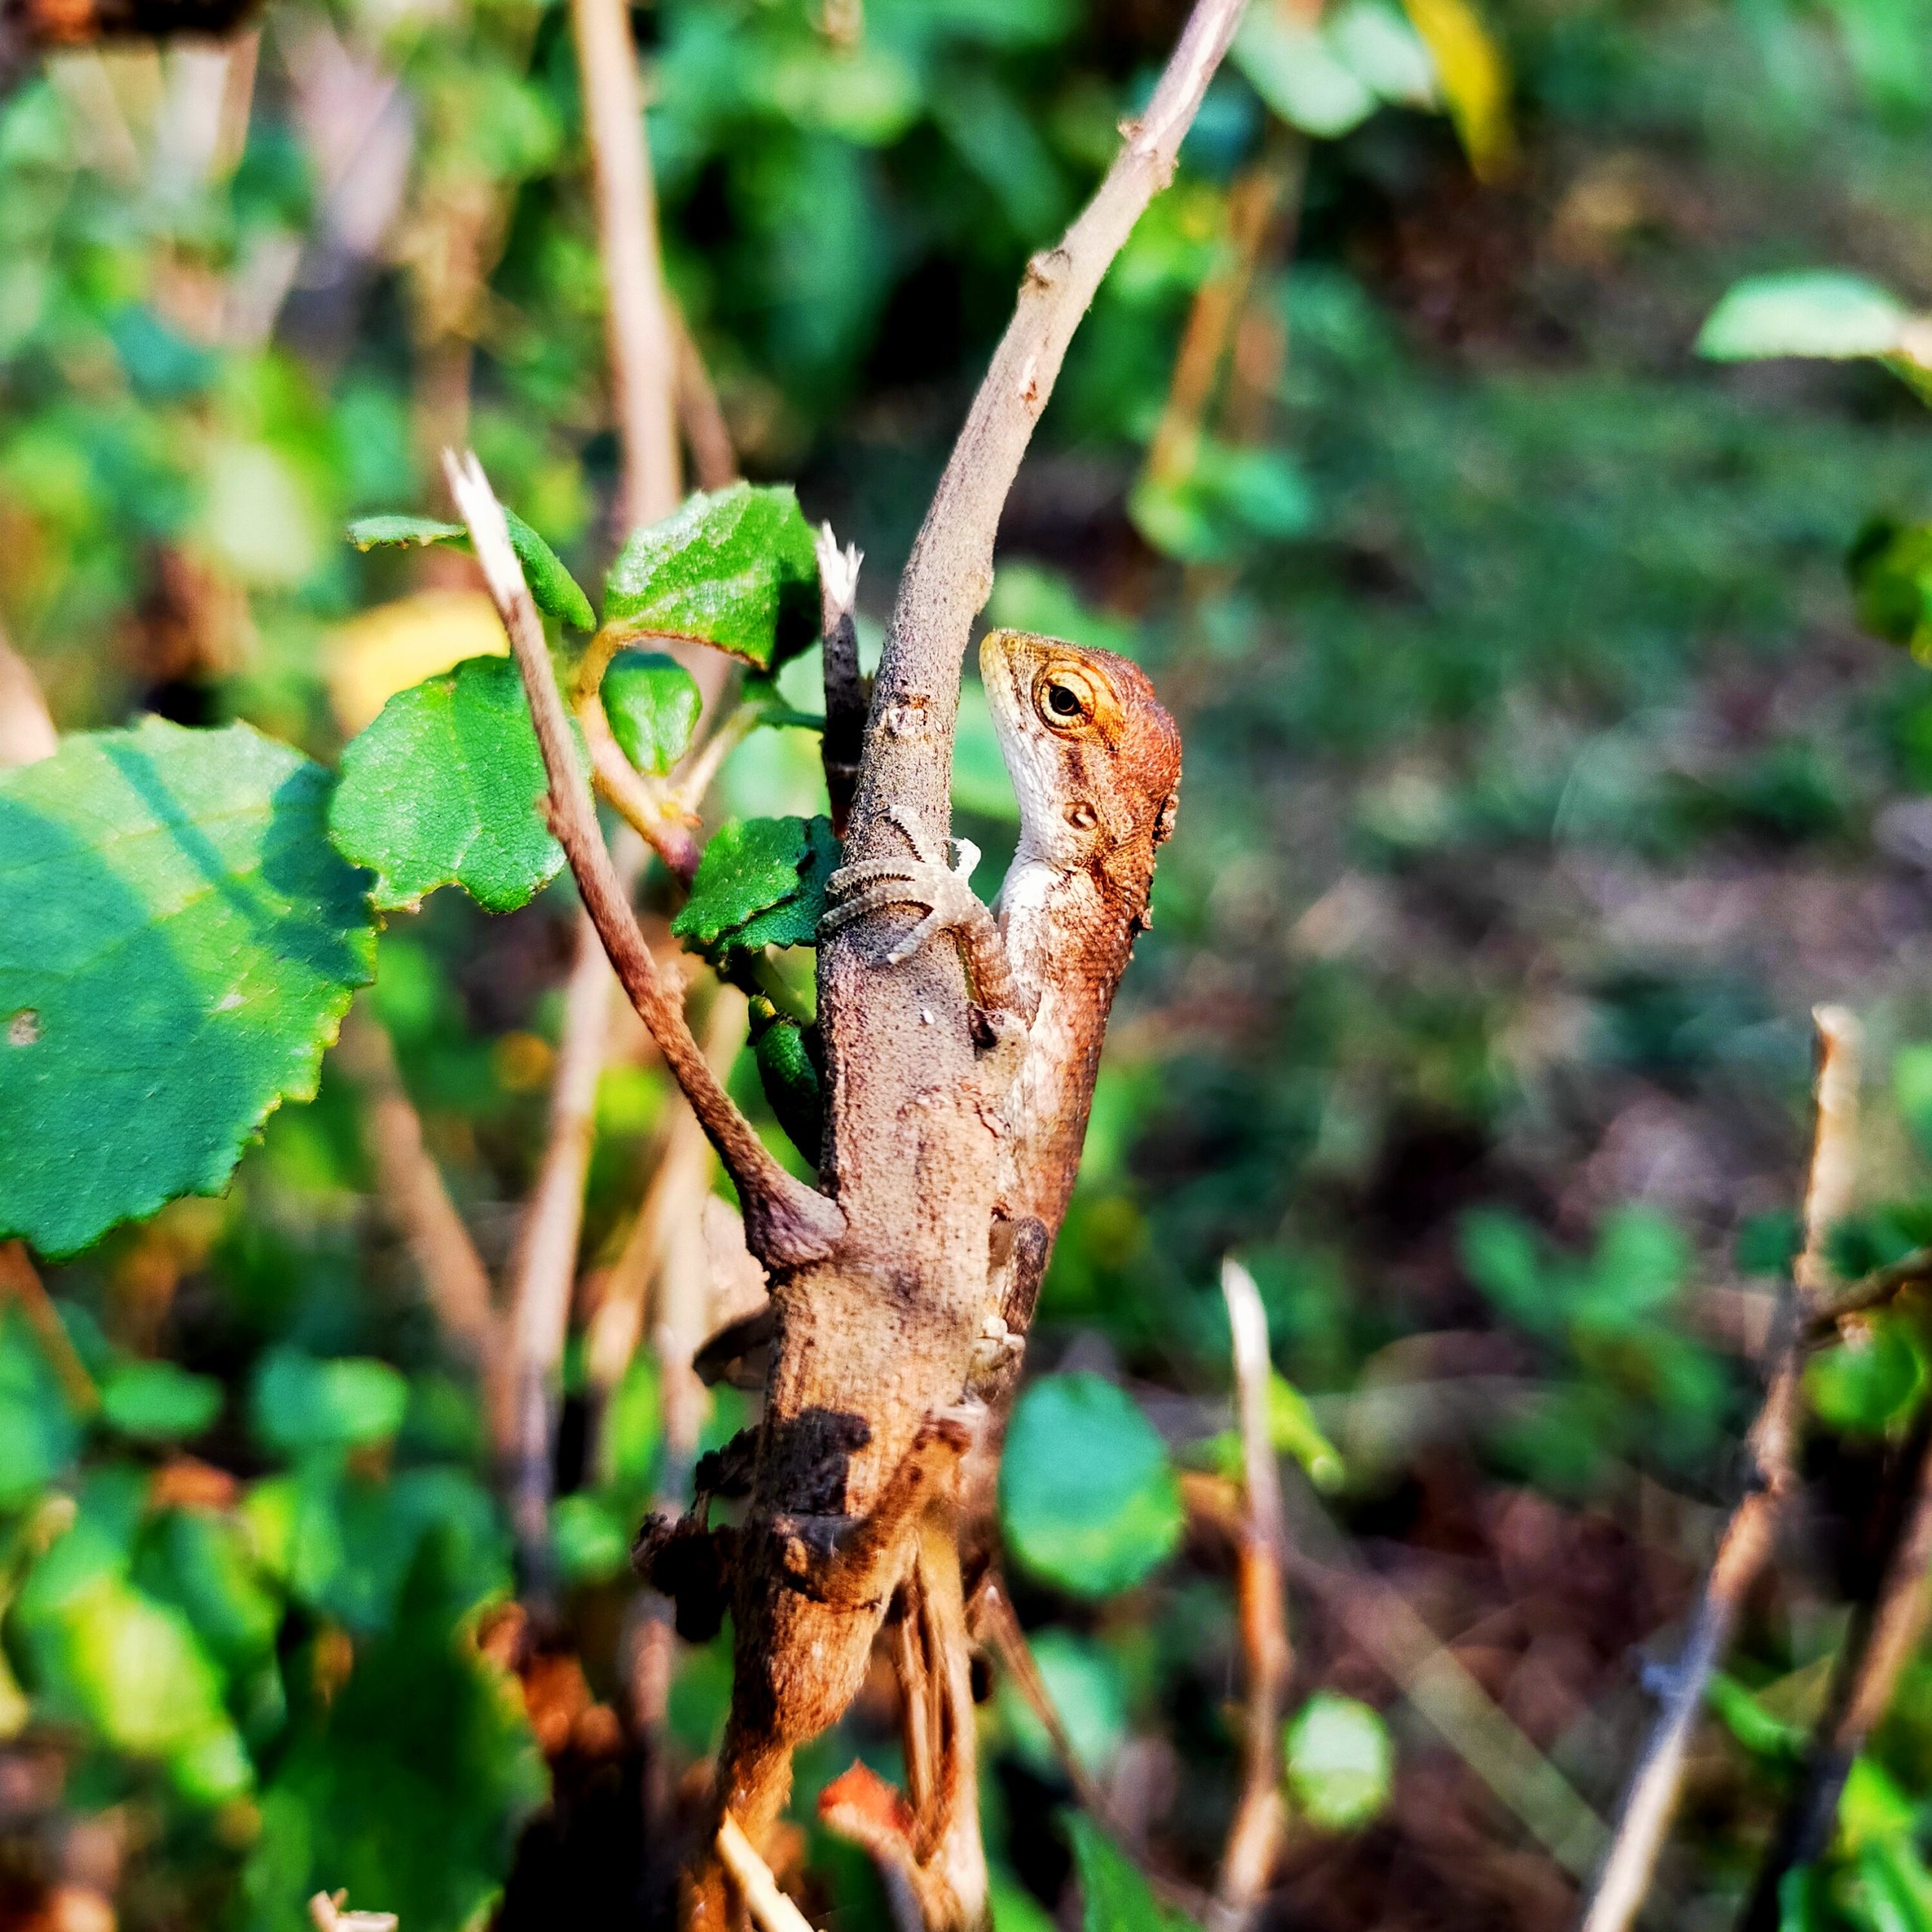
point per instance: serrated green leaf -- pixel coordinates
(1812, 313)
(158, 1402)
(178, 944)
(760, 882)
(653, 704)
(1088, 1497)
(1114, 1896)
(734, 569)
(443, 789)
(555, 591)
(1341, 1764)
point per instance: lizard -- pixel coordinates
(1095, 762)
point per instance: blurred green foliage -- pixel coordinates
(1539, 780)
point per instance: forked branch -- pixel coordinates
(786, 1222)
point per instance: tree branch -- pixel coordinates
(1254, 1839)
(1644, 1820)
(641, 350)
(786, 1222)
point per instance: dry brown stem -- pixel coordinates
(786, 1221)
(411, 1187)
(20, 1280)
(1750, 1537)
(641, 347)
(544, 1271)
(1254, 1839)
(771, 1911)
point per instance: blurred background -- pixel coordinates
(1540, 779)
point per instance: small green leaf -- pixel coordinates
(555, 591)
(158, 1402)
(1341, 1765)
(1114, 1896)
(762, 882)
(1292, 1431)
(39, 1434)
(302, 1403)
(1291, 64)
(1867, 1380)
(178, 944)
(1087, 1496)
(1812, 313)
(734, 569)
(1762, 1732)
(592, 1545)
(653, 704)
(443, 789)
(1231, 497)
(1890, 568)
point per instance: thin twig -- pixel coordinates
(707, 435)
(998, 1627)
(949, 576)
(411, 1189)
(647, 805)
(786, 1222)
(544, 1271)
(21, 1280)
(1643, 1819)
(771, 1911)
(1884, 1638)
(642, 356)
(1254, 1839)
(1435, 1682)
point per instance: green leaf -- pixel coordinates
(734, 569)
(554, 590)
(1890, 568)
(1762, 1732)
(158, 1402)
(1812, 313)
(302, 1403)
(1231, 497)
(591, 1545)
(1341, 1765)
(653, 704)
(1292, 1431)
(1505, 1258)
(1867, 1380)
(1087, 1496)
(760, 882)
(1291, 66)
(1114, 1896)
(178, 944)
(443, 789)
(1641, 1260)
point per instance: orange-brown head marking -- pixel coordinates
(1093, 757)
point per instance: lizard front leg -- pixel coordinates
(951, 906)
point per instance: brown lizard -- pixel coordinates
(1095, 761)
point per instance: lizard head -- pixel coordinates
(1095, 759)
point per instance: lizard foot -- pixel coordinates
(924, 880)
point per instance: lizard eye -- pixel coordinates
(1064, 699)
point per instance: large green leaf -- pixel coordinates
(178, 944)
(762, 882)
(302, 1403)
(552, 586)
(443, 789)
(734, 569)
(1087, 1496)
